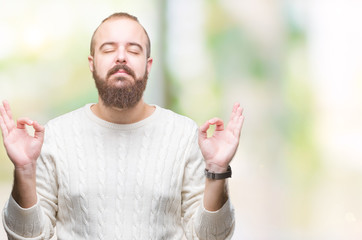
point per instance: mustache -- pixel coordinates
(123, 67)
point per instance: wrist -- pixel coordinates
(215, 168)
(25, 171)
(218, 176)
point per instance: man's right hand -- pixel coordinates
(23, 150)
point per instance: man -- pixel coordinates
(121, 168)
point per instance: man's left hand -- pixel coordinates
(219, 149)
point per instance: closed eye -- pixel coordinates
(108, 50)
(134, 51)
(108, 47)
(134, 48)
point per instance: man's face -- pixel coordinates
(120, 66)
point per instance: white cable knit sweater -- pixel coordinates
(99, 180)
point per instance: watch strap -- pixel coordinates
(217, 176)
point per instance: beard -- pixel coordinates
(123, 97)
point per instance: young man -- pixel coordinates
(120, 168)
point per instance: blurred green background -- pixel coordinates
(295, 66)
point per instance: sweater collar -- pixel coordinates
(130, 126)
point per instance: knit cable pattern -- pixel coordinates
(64, 180)
(139, 188)
(121, 185)
(82, 175)
(101, 177)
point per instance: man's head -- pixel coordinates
(120, 60)
(118, 16)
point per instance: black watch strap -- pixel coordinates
(217, 176)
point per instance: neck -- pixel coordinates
(122, 116)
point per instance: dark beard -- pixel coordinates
(120, 97)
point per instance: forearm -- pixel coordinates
(215, 194)
(215, 220)
(31, 211)
(24, 188)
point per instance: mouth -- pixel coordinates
(120, 70)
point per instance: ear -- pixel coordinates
(149, 64)
(91, 63)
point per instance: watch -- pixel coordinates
(217, 176)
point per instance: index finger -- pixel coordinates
(218, 123)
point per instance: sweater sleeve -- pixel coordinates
(197, 221)
(38, 221)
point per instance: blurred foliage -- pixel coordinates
(234, 54)
(171, 85)
(302, 161)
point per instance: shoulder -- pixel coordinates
(181, 122)
(68, 119)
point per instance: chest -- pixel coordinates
(137, 172)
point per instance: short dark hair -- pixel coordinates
(122, 15)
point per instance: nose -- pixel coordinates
(121, 56)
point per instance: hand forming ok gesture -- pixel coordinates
(21, 147)
(219, 149)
